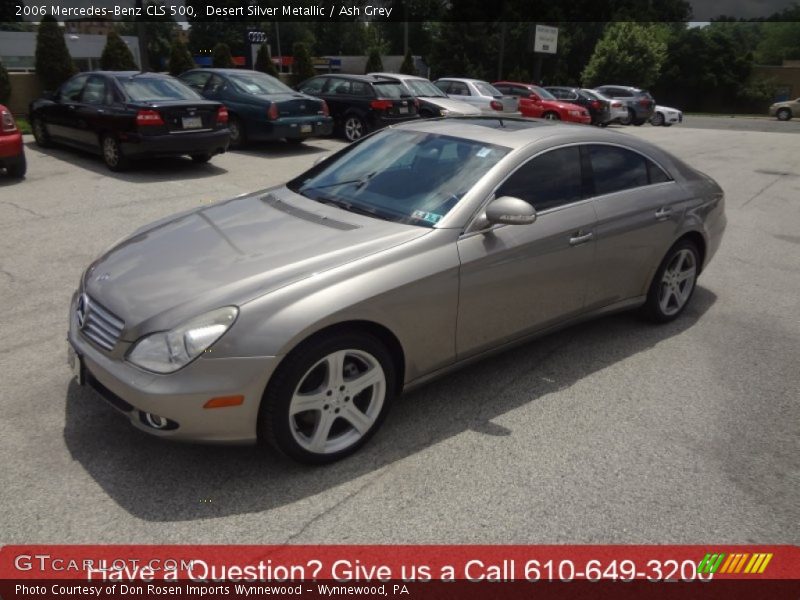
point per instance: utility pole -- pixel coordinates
(141, 33)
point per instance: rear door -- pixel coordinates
(517, 279)
(639, 209)
(93, 115)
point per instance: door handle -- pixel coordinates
(663, 213)
(580, 238)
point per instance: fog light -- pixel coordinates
(155, 421)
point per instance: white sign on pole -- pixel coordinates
(546, 39)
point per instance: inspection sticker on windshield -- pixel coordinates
(483, 152)
(426, 216)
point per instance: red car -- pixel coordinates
(12, 155)
(539, 103)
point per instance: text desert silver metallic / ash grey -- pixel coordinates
(296, 314)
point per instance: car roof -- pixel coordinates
(623, 87)
(399, 76)
(504, 82)
(128, 74)
(369, 78)
(516, 132)
(462, 79)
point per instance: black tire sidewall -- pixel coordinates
(652, 308)
(784, 114)
(273, 420)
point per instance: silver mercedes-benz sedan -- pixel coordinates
(296, 314)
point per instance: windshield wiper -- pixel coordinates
(360, 181)
(348, 206)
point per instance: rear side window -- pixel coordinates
(151, 89)
(196, 80)
(616, 169)
(458, 88)
(313, 86)
(547, 181)
(71, 90)
(484, 89)
(390, 89)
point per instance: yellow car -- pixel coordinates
(785, 110)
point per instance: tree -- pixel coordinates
(264, 61)
(302, 68)
(53, 62)
(374, 63)
(5, 84)
(221, 57)
(158, 34)
(408, 67)
(116, 55)
(628, 53)
(180, 59)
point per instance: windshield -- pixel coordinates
(485, 89)
(401, 176)
(543, 93)
(390, 89)
(424, 88)
(152, 89)
(259, 83)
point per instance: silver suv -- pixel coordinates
(640, 103)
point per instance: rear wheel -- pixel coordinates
(328, 398)
(657, 120)
(628, 119)
(551, 116)
(238, 134)
(674, 283)
(784, 114)
(17, 168)
(112, 153)
(354, 128)
(40, 133)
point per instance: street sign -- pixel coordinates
(546, 39)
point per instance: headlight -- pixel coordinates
(168, 351)
(575, 113)
(444, 112)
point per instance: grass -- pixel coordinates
(23, 125)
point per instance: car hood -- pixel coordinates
(455, 106)
(229, 253)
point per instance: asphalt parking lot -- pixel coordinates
(615, 431)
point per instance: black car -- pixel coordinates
(640, 103)
(362, 103)
(598, 108)
(124, 115)
(260, 107)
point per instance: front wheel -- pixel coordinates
(657, 120)
(40, 133)
(674, 283)
(354, 128)
(551, 116)
(784, 114)
(17, 169)
(328, 398)
(112, 154)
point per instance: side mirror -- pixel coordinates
(510, 211)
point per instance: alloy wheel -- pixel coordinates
(337, 401)
(353, 129)
(111, 151)
(677, 282)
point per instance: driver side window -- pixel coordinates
(548, 180)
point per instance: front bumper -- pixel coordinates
(179, 396)
(135, 145)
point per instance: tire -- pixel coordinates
(201, 158)
(657, 120)
(551, 116)
(112, 153)
(18, 168)
(324, 432)
(784, 114)
(238, 133)
(40, 133)
(354, 128)
(674, 283)
(629, 119)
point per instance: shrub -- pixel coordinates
(180, 59)
(53, 62)
(116, 55)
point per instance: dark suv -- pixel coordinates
(362, 103)
(598, 108)
(640, 103)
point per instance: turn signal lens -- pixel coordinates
(224, 402)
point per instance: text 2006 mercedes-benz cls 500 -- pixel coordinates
(296, 314)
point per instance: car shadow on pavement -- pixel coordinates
(146, 170)
(281, 149)
(162, 481)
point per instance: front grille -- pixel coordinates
(97, 323)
